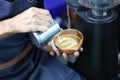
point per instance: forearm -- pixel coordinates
(5, 28)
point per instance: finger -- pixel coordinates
(76, 54)
(52, 53)
(40, 10)
(47, 48)
(37, 28)
(65, 56)
(43, 23)
(81, 49)
(54, 48)
(47, 14)
(45, 18)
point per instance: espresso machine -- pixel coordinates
(99, 22)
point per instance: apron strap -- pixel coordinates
(17, 59)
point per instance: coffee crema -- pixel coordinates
(67, 41)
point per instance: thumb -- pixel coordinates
(54, 47)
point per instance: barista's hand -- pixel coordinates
(54, 51)
(32, 19)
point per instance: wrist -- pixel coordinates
(5, 28)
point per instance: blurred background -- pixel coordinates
(99, 21)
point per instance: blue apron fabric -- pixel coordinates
(38, 64)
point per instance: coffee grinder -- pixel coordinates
(98, 23)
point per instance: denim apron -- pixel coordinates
(38, 64)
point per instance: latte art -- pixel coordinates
(67, 41)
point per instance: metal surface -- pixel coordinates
(99, 4)
(41, 38)
(99, 10)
